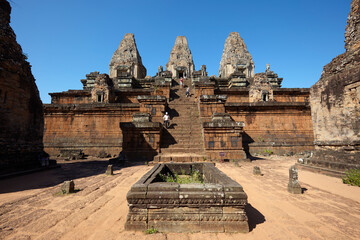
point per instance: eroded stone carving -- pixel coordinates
(102, 90)
(181, 62)
(126, 59)
(335, 104)
(236, 58)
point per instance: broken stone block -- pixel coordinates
(68, 187)
(257, 171)
(109, 170)
(103, 154)
(294, 185)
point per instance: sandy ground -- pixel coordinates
(29, 209)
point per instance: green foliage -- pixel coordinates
(352, 177)
(268, 151)
(261, 139)
(168, 177)
(152, 230)
(204, 159)
(194, 177)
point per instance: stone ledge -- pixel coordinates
(268, 104)
(213, 98)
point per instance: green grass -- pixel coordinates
(152, 230)
(268, 151)
(352, 177)
(194, 177)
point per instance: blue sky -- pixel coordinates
(66, 39)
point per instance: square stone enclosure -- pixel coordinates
(217, 205)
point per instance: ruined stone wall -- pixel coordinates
(21, 114)
(90, 127)
(335, 100)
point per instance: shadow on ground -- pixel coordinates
(70, 170)
(254, 216)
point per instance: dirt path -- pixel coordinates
(30, 210)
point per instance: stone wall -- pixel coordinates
(21, 121)
(141, 137)
(278, 127)
(335, 103)
(90, 127)
(71, 97)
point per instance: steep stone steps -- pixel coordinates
(183, 141)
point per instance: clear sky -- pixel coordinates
(67, 39)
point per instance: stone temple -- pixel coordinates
(231, 116)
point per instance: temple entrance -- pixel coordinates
(181, 74)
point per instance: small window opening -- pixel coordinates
(265, 96)
(99, 97)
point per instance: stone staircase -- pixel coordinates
(183, 140)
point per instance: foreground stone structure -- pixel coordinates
(218, 205)
(231, 116)
(335, 104)
(21, 111)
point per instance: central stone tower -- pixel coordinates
(236, 58)
(181, 62)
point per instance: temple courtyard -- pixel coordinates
(31, 208)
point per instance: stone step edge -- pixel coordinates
(321, 170)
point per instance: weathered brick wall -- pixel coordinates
(91, 127)
(278, 127)
(71, 97)
(21, 113)
(238, 98)
(292, 95)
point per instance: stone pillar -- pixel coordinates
(109, 170)
(294, 185)
(68, 187)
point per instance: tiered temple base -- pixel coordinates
(217, 205)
